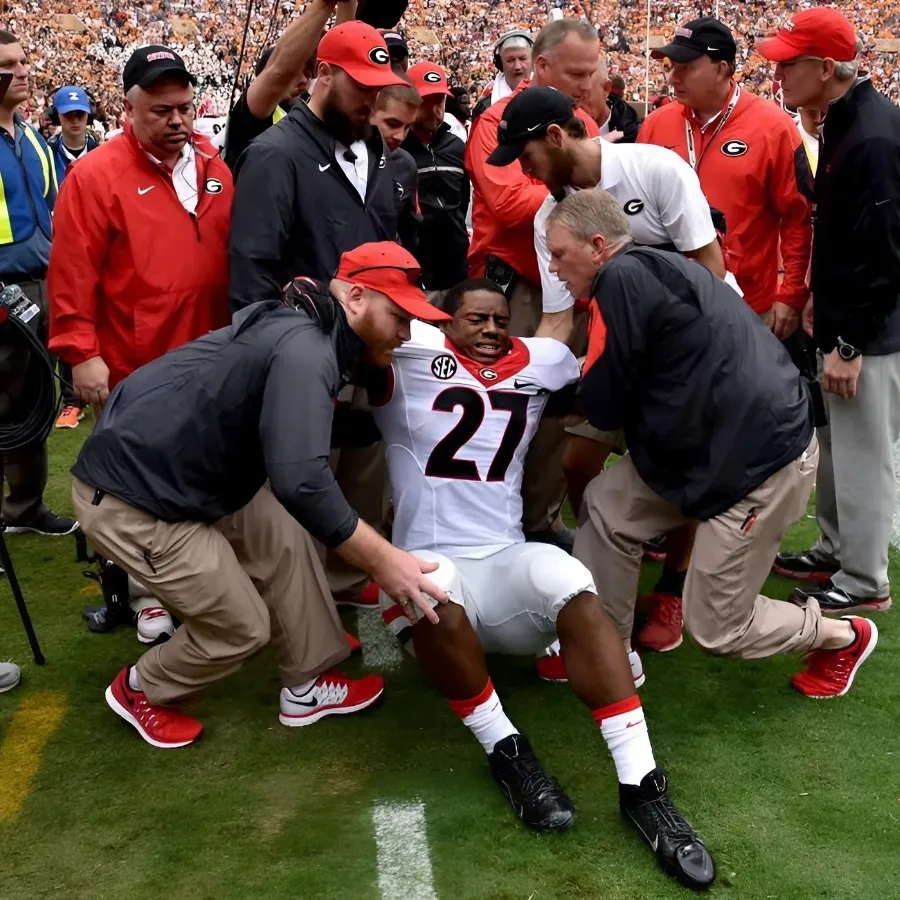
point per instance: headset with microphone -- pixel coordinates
(509, 35)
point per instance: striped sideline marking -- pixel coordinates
(35, 720)
(381, 650)
(404, 863)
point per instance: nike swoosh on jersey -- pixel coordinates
(143, 191)
(324, 168)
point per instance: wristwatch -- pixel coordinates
(847, 352)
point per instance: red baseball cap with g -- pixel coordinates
(428, 79)
(361, 52)
(389, 269)
(822, 31)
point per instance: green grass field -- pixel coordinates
(796, 799)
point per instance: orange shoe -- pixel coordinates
(662, 631)
(70, 417)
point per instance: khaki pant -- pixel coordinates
(252, 577)
(733, 553)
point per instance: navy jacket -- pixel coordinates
(193, 435)
(856, 240)
(295, 211)
(711, 404)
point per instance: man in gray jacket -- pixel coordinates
(177, 498)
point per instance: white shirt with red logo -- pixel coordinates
(457, 433)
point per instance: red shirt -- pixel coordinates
(754, 169)
(132, 273)
(504, 199)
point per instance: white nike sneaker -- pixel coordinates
(10, 676)
(332, 694)
(152, 623)
(637, 668)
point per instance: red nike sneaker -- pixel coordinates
(158, 725)
(829, 673)
(366, 599)
(333, 694)
(662, 630)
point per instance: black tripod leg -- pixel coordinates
(20, 602)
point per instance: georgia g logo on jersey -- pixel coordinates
(735, 148)
(443, 367)
(633, 207)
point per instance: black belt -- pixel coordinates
(34, 278)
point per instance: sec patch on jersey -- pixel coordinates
(444, 366)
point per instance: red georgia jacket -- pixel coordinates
(132, 273)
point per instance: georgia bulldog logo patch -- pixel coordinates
(213, 186)
(379, 55)
(633, 207)
(443, 366)
(488, 374)
(432, 77)
(735, 148)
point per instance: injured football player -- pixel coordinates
(457, 412)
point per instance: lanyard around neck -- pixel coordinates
(689, 130)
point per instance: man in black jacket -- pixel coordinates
(718, 422)
(170, 485)
(854, 314)
(317, 183)
(444, 187)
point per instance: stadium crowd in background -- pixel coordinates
(207, 33)
(266, 370)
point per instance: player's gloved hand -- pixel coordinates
(402, 577)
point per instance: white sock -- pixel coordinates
(625, 731)
(484, 717)
(304, 688)
(133, 682)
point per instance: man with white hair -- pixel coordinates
(719, 424)
(854, 318)
(512, 57)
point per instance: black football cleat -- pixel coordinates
(536, 798)
(804, 566)
(833, 599)
(676, 845)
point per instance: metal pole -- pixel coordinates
(20, 600)
(647, 66)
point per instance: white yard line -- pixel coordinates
(381, 650)
(404, 863)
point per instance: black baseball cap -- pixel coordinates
(397, 46)
(702, 37)
(147, 64)
(526, 118)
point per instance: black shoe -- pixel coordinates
(804, 566)
(678, 848)
(44, 522)
(536, 798)
(564, 538)
(834, 599)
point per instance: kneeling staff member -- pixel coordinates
(170, 486)
(461, 409)
(719, 425)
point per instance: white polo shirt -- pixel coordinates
(661, 196)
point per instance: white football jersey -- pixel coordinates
(659, 193)
(456, 434)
